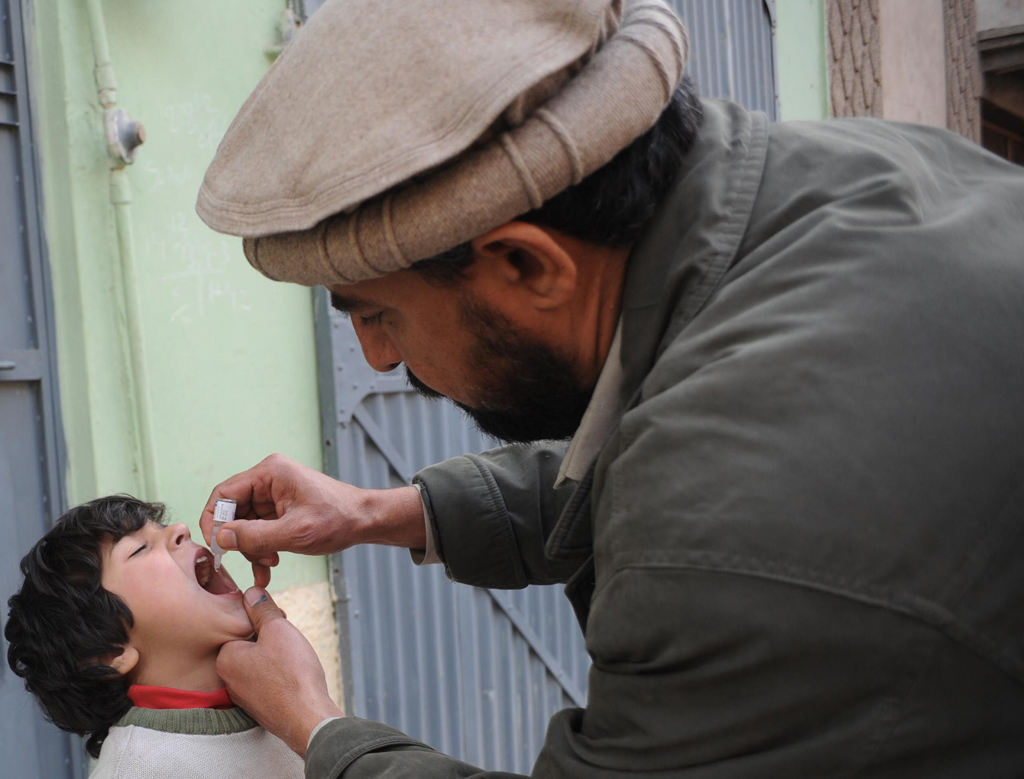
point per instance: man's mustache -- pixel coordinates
(418, 385)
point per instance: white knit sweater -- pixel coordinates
(193, 744)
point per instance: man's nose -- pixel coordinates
(177, 534)
(378, 350)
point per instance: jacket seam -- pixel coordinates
(918, 609)
(343, 762)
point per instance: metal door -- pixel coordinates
(475, 673)
(30, 484)
(732, 50)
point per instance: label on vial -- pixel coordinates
(224, 510)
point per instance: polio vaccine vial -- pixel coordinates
(223, 512)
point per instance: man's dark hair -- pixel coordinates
(612, 205)
(63, 623)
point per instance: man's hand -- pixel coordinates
(278, 678)
(312, 514)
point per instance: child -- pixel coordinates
(116, 631)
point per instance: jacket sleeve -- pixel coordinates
(745, 677)
(492, 514)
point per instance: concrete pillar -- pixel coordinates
(913, 58)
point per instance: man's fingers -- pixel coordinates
(232, 657)
(257, 539)
(271, 560)
(206, 518)
(262, 562)
(238, 488)
(261, 608)
(232, 652)
(260, 575)
(251, 490)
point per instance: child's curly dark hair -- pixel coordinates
(63, 623)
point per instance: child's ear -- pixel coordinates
(123, 663)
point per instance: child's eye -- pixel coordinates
(137, 551)
(372, 320)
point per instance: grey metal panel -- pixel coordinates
(732, 50)
(31, 488)
(510, 694)
(475, 673)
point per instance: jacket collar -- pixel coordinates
(677, 265)
(693, 238)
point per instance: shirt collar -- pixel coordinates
(599, 419)
(149, 697)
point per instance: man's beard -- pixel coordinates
(526, 392)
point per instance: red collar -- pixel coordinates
(146, 697)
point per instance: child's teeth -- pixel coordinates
(202, 559)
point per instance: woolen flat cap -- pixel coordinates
(392, 130)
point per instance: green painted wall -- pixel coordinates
(802, 58)
(229, 355)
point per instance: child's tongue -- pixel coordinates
(214, 582)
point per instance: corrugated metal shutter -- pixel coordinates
(30, 479)
(732, 50)
(475, 673)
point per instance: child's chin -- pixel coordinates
(233, 624)
(241, 627)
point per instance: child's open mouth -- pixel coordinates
(214, 582)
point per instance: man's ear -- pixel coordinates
(532, 258)
(124, 662)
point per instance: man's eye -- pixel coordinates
(372, 320)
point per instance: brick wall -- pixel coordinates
(963, 69)
(855, 67)
(862, 32)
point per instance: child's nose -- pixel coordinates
(178, 534)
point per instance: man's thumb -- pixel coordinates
(254, 536)
(261, 608)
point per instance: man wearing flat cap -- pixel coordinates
(765, 386)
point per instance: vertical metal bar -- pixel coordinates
(776, 95)
(42, 290)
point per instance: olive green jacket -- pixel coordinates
(801, 553)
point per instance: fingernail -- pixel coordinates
(226, 539)
(267, 561)
(254, 596)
